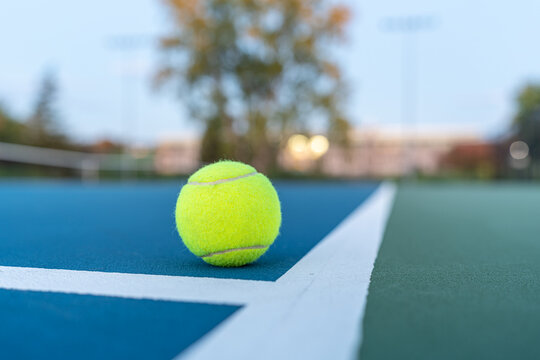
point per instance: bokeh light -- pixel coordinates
(298, 146)
(519, 150)
(318, 145)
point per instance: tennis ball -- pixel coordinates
(228, 214)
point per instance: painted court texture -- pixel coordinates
(456, 275)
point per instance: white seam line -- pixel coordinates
(236, 249)
(221, 181)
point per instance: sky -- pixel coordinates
(469, 65)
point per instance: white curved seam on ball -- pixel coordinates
(256, 247)
(221, 181)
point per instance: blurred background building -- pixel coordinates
(372, 153)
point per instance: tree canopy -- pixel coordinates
(527, 118)
(43, 127)
(253, 71)
(11, 129)
(44, 123)
(528, 102)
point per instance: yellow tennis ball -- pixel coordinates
(228, 214)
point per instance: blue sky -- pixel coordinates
(470, 64)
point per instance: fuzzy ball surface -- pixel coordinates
(228, 214)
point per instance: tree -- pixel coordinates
(527, 119)
(44, 124)
(11, 129)
(528, 102)
(254, 70)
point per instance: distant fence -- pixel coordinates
(88, 164)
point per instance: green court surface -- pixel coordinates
(457, 275)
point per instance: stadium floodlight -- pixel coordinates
(128, 45)
(408, 26)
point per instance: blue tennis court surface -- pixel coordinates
(130, 228)
(37, 325)
(115, 241)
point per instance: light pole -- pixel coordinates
(408, 26)
(127, 45)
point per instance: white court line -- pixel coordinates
(316, 309)
(139, 286)
(313, 311)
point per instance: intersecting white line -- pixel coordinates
(313, 311)
(138, 286)
(316, 309)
